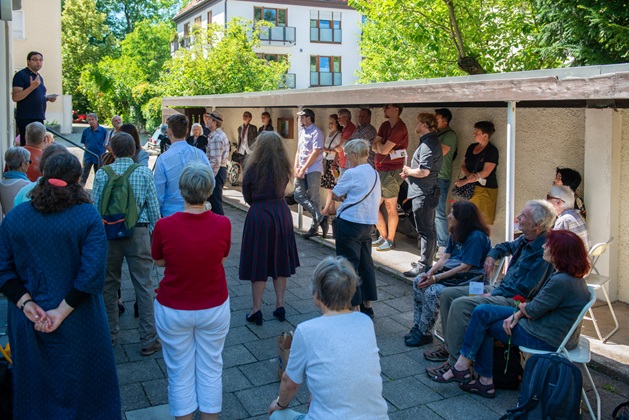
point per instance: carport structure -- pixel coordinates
(575, 117)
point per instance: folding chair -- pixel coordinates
(580, 354)
(598, 281)
(492, 282)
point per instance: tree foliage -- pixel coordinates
(123, 15)
(584, 32)
(85, 38)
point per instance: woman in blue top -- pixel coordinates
(465, 254)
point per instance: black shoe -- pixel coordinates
(325, 226)
(255, 317)
(280, 313)
(418, 340)
(121, 308)
(412, 332)
(136, 310)
(311, 232)
(367, 311)
(415, 271)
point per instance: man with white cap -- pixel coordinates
(568, 218)
(217, 153)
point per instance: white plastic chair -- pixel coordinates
(580, 354)
(492, 282)
(598, 281)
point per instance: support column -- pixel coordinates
(510, 195)
(602, 153)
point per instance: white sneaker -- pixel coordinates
(440, 252)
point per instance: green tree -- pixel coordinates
(123, 15)
(404, 39)
(84, 39)
(584, 32)
(221, 60)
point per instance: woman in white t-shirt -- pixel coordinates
(359, 190)
(336, 353)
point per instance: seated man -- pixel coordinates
(568, 218)
(526, 272)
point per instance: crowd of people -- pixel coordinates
(66, 302)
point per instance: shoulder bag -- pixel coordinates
(334, 221)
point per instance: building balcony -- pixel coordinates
(288, 81)
(277, 34)
(326, 35)
(319, 78)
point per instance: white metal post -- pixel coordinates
(510, 195)
(300, 209)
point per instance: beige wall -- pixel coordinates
(42, 26)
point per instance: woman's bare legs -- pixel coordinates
(330, 207)
(257, 289)
(279, 284)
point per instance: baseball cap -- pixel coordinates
(308, 112)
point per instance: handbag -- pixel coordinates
(334, 221)
(466, 191)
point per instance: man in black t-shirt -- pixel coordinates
(29, 93)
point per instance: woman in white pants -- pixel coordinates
(192, 304)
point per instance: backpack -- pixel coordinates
(551, 389)
(117, 205)
(513, 377)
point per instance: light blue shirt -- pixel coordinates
(167, 171)
(21, 195)
(310, 139)
(356, 183)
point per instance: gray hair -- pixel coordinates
(357, 146)
(334, 283)
(194, 126)
(345, 112)
(92, 114)
(16, 156)
(196, 183)
(35, 133)
(542, 213)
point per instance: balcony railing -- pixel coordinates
(283, 34)
(319, 78)
(288, 81)
(333, 36)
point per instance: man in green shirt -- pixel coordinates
(448, 139)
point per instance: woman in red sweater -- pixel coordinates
(192, 306)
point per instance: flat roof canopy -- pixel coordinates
(593, 87)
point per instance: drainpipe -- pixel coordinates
(510, 196)
(300, 209)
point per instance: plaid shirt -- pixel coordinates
(218, 150)
(571, 220)
(141, 180)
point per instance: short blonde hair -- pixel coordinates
(358, 146)
(334, 283)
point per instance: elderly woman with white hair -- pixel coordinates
(336, 353)
(18, 159)
(568, 218)
(359, 191)
(192, 303)
(196, 137)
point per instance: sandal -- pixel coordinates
(438, 370)
(461, 376)
(477, 388)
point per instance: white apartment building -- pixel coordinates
(319, 38)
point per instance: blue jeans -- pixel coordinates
(441, 218)
(307, 194)
(485, 326)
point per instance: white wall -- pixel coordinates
(300, 52)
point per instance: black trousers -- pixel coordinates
(424, 210)
(353, 241)
(216, 199)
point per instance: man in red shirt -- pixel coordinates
(345, 119)
(390, 146)
(35, 143)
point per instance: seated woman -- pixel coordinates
(571, 178)
(196, 137)
(337, 353)
(464, 257)
(540, 324)
(18, 160)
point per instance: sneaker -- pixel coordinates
(440, 252)
(438, 370)
(367, 311)
(155, 347)
(386, 246)
(438, 355)
(311, 232)
(411, 332)
(379, 242)
(418, 339)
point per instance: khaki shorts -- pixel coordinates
(390, 182)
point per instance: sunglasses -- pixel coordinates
(550, 197)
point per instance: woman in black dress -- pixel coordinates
(268, 241)
(196, 137)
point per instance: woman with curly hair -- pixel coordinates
(52, 268)
(467, 248)
(268, 241)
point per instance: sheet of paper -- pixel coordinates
(477, 288)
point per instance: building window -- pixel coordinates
(186, 29)
(197, 22)
(18, 25)
(279, 17)
(278, 58)
(325, 71)
(209, 17)
(325, 27)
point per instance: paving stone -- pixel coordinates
(445, 390)
(156, 391)
(237, 303)
(382, 310)
(461, 407)
(238, 318)
(232, 409)
(144, 370)
(133, 397)
(304, 306)
(392, 344)
(414, 413)
(388, 326)
(256, 400)
(236, 355)
(397, 289)
(408, 392)
(263, 349)
(150, 413)
(239, 335)
(240, 289)
(271, 328)
(162, 366)
(132, 351)
(399, 366)
(261, 373)
(234, 380)
(119, 354)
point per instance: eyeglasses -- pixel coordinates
(27, 161)
(550, 197)
(387, 107)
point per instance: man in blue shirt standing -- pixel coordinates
(170, 164)
(29, 94)
(94, 138)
